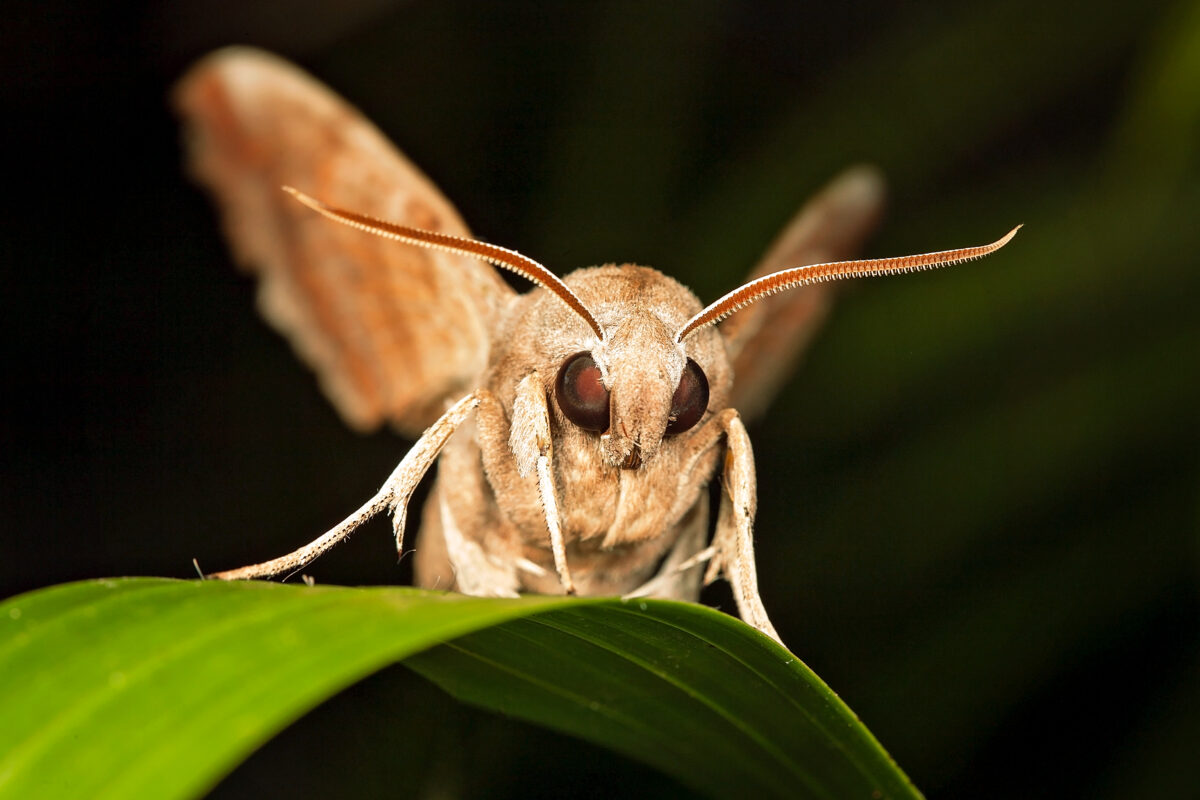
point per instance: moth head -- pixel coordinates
(583, 398)
(638, 386)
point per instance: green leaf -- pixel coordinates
(149, 687)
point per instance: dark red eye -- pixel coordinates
(690, 400)
(581, 394)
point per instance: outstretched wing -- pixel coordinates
(767, 338)
(392, 332)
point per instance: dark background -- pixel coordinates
(979, 498)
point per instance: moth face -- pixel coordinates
(633, 389)
(586, 401)
(638, 387)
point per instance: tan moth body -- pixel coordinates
(614, 519)
(577, 426)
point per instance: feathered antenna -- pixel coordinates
(837, 270)
(502, 257)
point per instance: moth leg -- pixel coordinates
(733, 541)
(530, 442)
(550, 505)
(394, 495)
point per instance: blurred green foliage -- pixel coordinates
(155, 688)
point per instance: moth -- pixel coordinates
(577, 426)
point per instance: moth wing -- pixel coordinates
(392, 331)
(766, 339)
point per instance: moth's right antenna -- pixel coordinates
(500, 256)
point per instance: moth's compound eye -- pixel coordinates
(690, 400)
(581, 394)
